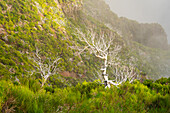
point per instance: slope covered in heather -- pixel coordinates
(51, 26)
(35, 33)
(30, 24)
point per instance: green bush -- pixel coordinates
(3, 5)
(85, 97)
(161, 85)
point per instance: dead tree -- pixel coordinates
(100, 45)
(123, 73)
(45, 69)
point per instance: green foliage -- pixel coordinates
(28, 24)
(3, 5)
(161, 86)
(41, 23)
(85, 97)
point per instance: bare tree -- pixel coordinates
(45, 69)
(123, 73)
(100, 45)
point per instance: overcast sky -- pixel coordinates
(144, 11)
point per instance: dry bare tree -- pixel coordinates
(45, 69)
(101, 45)
(123, 73)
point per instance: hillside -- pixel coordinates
(151, 35)
(154, 62)
(51, 27)
(56, 55)
(27, 25)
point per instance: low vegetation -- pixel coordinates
(51, 80)
(149, 96)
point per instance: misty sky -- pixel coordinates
(145, 11)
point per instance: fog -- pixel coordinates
(144, 11)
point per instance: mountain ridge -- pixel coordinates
(151, 35)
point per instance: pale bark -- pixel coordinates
(100, 45)
(45, 69)
(122, 74)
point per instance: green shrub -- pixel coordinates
(3, 5)
(85, 97)
(160, 86)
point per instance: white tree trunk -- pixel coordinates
(45, 69)
(100, 46)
